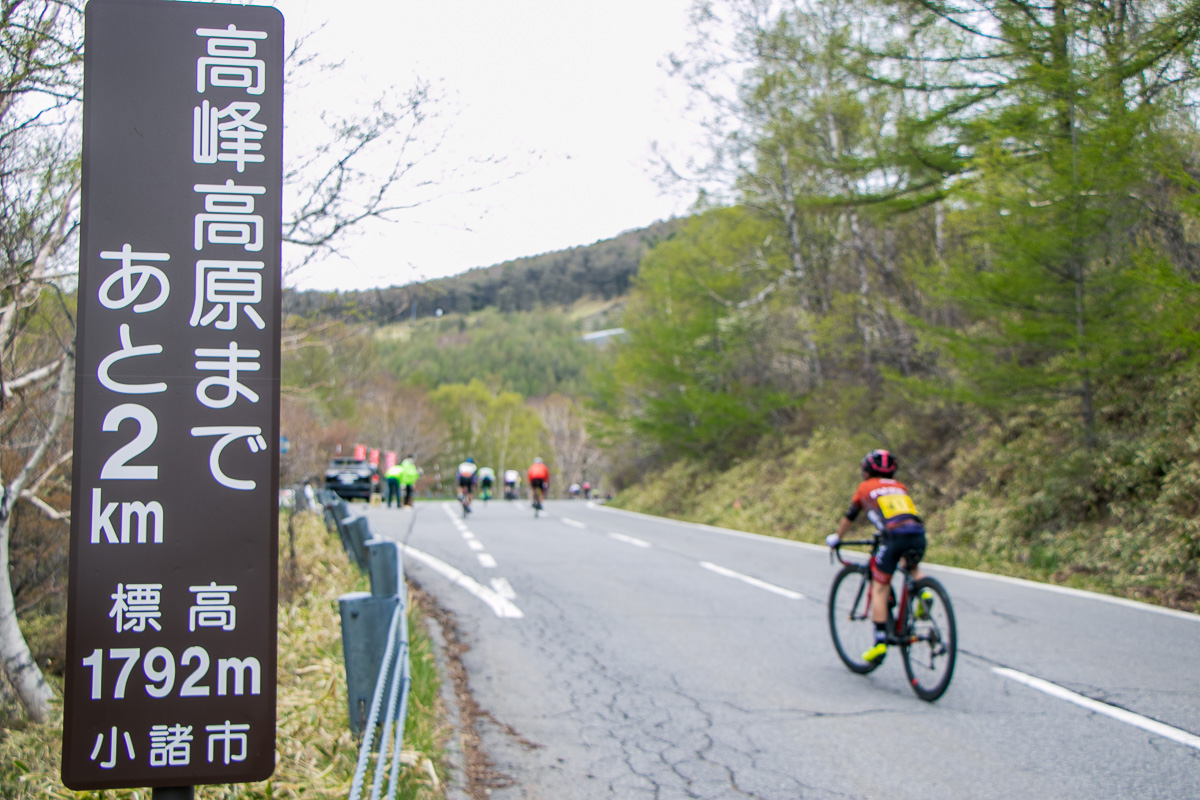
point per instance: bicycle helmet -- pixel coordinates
(879, 462)
(470, 460)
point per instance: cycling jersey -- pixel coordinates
(539, 472)
(887, 504)
(466, 473)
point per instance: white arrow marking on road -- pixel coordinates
(1120, 714)
(620, 537)
(501, 606)
(573, 523)
(503, 588)
(770, 587)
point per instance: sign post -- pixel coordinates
(171, 624)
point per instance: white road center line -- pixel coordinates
(573, 523)
(503, 588)
(1119, 714)
(501, 606)
(770, 587)
(620, 537)
(486, 561)
(475, 544)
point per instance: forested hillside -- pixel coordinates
(966, 233)
(602, 270)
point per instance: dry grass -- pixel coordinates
(315, 751)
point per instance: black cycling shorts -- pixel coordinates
(538, 483)
(895, 544)
(466, 482)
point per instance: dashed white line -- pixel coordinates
(573, 523)
(770, 587)
(475, 544)
(486, 560)
(1120, 714)
(500, 605)
(620, 537)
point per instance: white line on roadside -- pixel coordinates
(486, 560)
(770, 587)
(475, 544)
(501, 606)
(620, 537)
(1119, 714)
(1083, 594)
(573, 523)
(503, 588)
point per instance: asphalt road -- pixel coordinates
(625, 656)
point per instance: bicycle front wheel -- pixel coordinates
(933, 640)
(850, 618)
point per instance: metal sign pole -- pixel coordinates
(173, 793)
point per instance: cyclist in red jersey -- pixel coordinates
(539, 481)
(894, 515)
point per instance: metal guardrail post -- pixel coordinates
(358, 531)
(384, 568)
(375, 650)
(366, 623)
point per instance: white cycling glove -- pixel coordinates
(832, 540)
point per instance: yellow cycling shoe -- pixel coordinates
(875, 653)
(923, 605)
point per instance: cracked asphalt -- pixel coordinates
(633, 672)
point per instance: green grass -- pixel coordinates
(315, 751)
(1024, 500)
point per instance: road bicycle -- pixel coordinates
(465, 499)
(920, 623)
(535, 500)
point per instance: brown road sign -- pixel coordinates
(171, 625)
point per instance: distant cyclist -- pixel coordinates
(487, 480)
(511, 479)
(467, 475)
(894, 515)
(539, 482)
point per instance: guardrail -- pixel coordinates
(375, 646)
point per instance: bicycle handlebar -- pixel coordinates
(836, 550)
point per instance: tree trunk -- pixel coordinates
(19, 666)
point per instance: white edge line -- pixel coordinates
(770, 587)
(620, 537)
(988, 576)
(499, 605)
(1119, 714)
(503, 588)
(574, 523)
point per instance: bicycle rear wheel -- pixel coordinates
(850, 618)
(929, 657)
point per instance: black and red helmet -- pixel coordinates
(880, 462)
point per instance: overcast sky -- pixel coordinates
(570, 94)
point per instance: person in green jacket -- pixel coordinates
(409, 473)
(393, 484)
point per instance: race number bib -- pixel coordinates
(893, 505)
